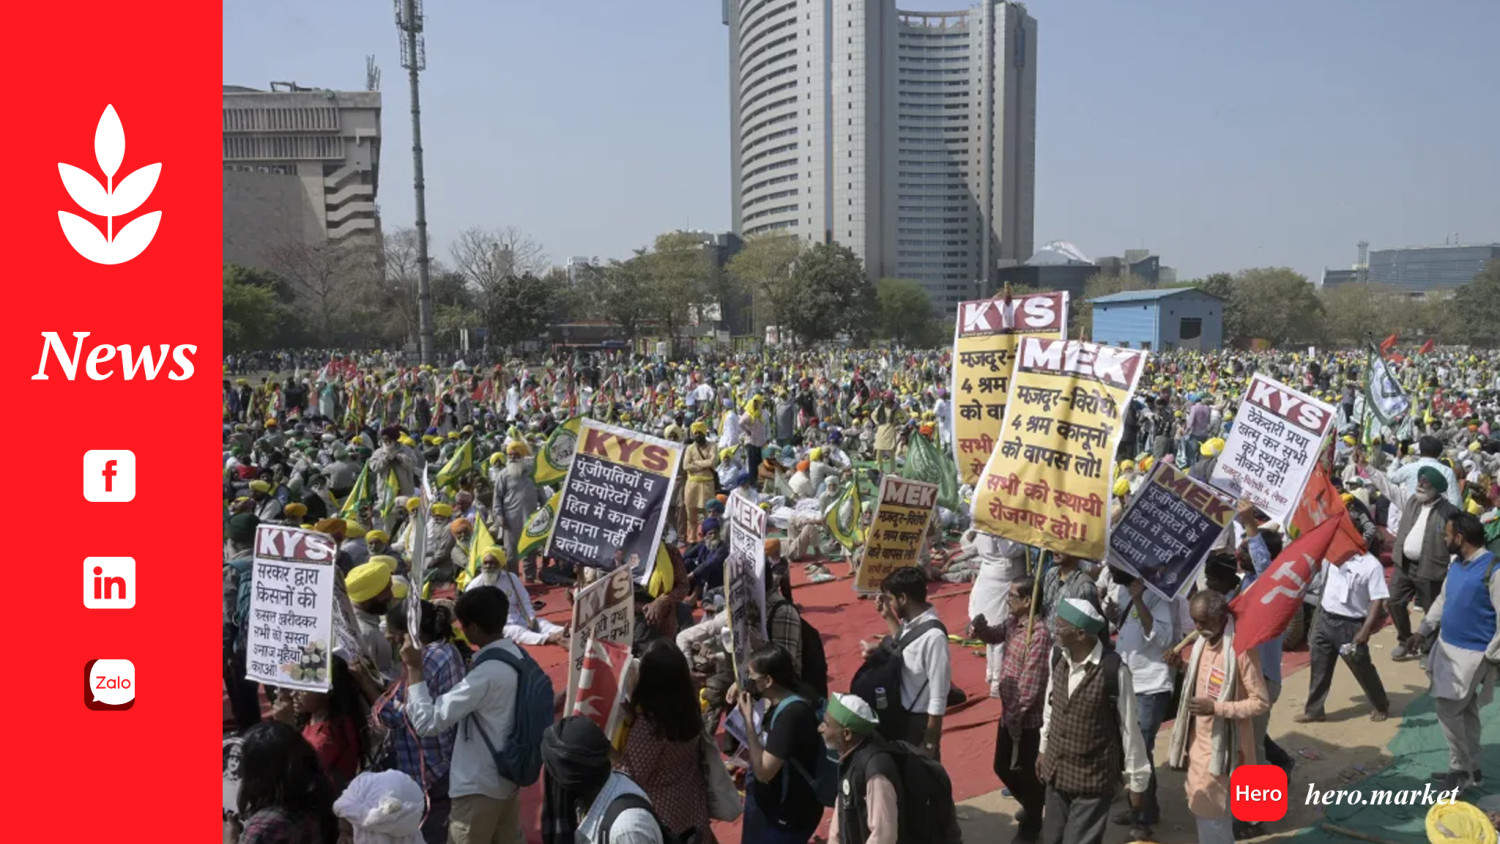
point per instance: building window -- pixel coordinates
(1191, 328)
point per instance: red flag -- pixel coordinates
(1387, 343)
(1263, 611)
(1426, 347)
(1320, 503)
(599, 683)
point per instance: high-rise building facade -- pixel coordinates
(909, 137)
(301, 166)
(1430, 269)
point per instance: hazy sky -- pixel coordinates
(1219, 134)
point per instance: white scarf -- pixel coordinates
(1224, 739)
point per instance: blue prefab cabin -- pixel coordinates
(1160, 320)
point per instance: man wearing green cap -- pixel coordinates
(1090, 733)
(1420, 554)
(866, 810)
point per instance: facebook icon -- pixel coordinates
(108, 476)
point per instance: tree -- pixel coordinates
(1277, 304)
(680, 274)
(1474, 311)
(830, 295)
(1358, 313)
(905, 312)
(1081, 318)
(516, 309)
(326, 280)
(764, 266)
(253, 318)
(485, 257)
(621, 292)
(499, 269)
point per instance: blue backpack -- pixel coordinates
(824, 778)
(520, 761)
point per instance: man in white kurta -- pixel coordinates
(523, 626)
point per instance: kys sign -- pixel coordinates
(109, 200)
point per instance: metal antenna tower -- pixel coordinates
(414, 59)
(372, 74)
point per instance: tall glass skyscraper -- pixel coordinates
(909, 137)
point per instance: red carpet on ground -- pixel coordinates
(844, 620)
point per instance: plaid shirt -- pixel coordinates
(442, 668)
(785, 628)
(1023, 674)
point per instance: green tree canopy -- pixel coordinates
(831, 295)
(1472, 316)
(906, 312)
(764, 267)
(1276, 304)
(254, 317)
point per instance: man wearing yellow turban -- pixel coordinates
(698, 462)
(369, 588)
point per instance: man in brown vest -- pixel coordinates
(1090, 734)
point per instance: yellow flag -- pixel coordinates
(557, 454)
(843, 515)
(481, 544)
(539, 526)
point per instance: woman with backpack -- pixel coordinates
(781, 803)
(663, 748)
(284, 795)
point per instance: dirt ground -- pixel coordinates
(1341, 750)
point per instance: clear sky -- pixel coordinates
(1219, 134)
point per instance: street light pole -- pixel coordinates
(414, 59)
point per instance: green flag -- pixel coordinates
(461, 462)
(359, 498)
(925, 463)
(389, 487)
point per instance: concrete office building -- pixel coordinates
(907, 136)
(301, 165)
(1429, 269)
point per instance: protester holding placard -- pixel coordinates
(1049, 478)
(984, 342)
(1274, 445)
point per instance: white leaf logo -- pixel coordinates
(109, 200)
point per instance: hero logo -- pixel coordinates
(1037, 313)
(109, 200)
(132, 363)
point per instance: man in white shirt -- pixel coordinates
(1145, 623)
(1429, 448)
(486, 807)
(1354, 597)
(925, 668)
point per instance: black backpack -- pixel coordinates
(927, 814)
(814, 660)
(878, 681)
(635, 801)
